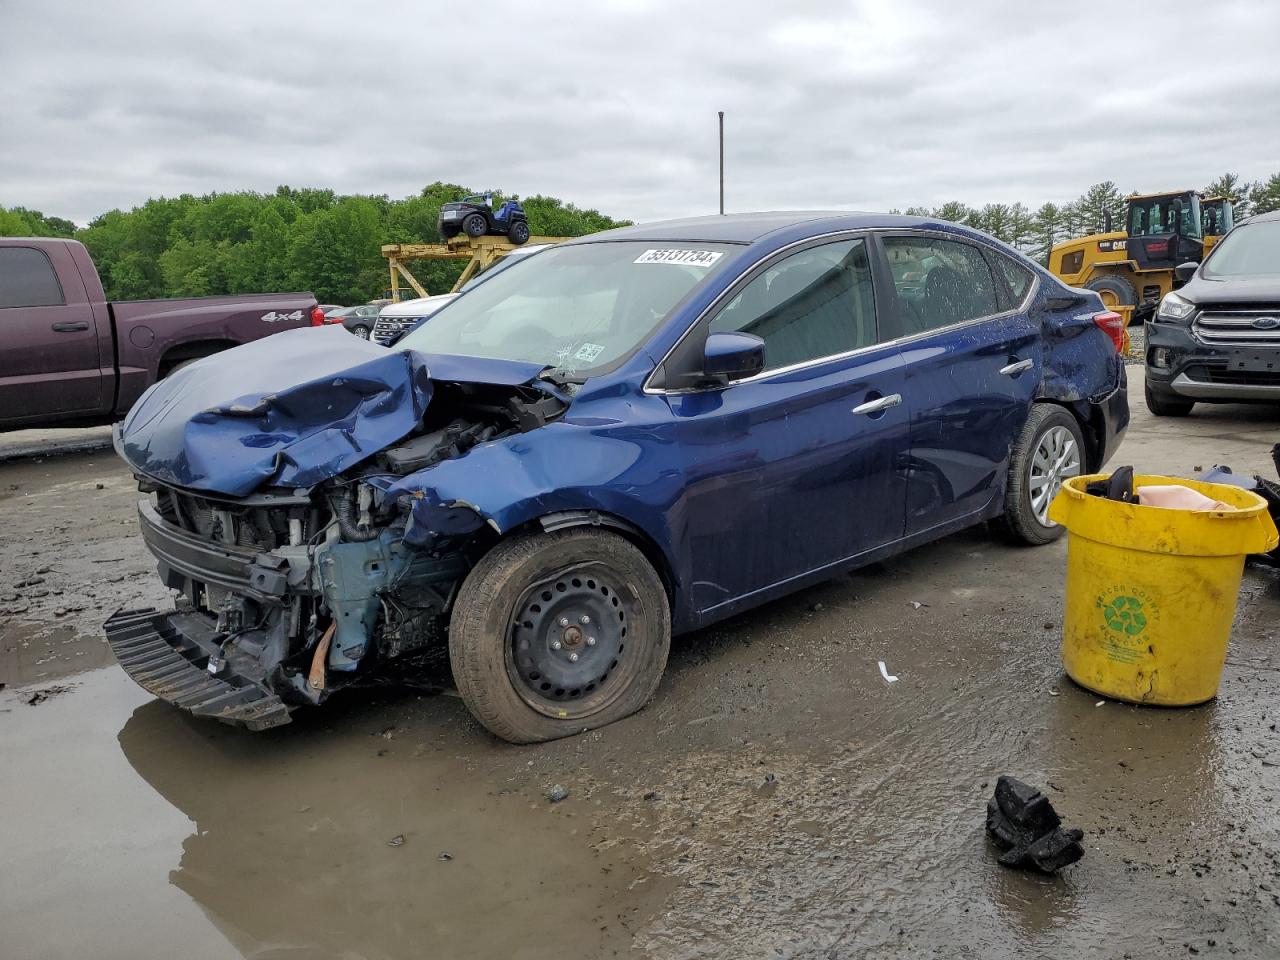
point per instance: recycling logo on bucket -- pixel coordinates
(1124, 614)
(1127, 613)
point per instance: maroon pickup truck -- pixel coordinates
(72, 358)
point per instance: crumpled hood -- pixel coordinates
(291, 409)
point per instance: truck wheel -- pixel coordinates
(1048, 452)
(1114, 290)
(475, 225)
(1167, 406)
(556, 633)
(518, 233)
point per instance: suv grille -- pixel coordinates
(1248, 378)
(388, 329)
(1248, 326)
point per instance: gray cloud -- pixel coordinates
(612, 104)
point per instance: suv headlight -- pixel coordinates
(1173, 307)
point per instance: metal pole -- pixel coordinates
(722, 163)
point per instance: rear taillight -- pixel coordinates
(1112, 324)
(317, 317)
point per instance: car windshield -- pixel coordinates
(1250, 250)
(489, 272)
(577, 309)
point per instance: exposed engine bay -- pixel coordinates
(296, 591)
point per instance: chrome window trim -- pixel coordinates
(866, 232)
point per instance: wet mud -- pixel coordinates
(777, 799)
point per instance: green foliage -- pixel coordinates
(1265, 195)
(313, 239)
(292, 239)
(21, 222)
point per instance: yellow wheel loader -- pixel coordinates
(1132, 269)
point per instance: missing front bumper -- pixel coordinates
(167, 654)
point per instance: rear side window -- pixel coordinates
(938, 283)
(27, 279)
(1016, 277)
(813, 304)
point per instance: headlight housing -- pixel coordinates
(1173, 307)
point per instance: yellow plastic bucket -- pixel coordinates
(1151, 592)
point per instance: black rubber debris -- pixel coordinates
(1118, 486)
(1023, 824)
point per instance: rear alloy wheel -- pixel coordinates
(556, 633)
(518, 233)
(1049, 451)
(474, 225)
(362, 332)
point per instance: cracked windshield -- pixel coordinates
(576, 309)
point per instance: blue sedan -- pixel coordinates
(629, 436)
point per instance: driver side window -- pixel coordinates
(813, 304)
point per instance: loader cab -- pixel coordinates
(1217, 218)
(1164, 229)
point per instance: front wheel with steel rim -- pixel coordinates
(1049, 451)
(556, 633)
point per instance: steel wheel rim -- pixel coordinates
(362, 333)
(588, 670)
(1056, 460)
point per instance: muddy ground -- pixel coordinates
(778, 799)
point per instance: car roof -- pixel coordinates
(1264, 217)
(750, 227)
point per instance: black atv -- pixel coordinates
(475, 217)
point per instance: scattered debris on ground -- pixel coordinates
(1022, 822)
(37, 697)
(396, 841)
(557, 793)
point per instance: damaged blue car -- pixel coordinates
(631, 435)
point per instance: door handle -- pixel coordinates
(875, 406)
(1013, 369)
(71, 326)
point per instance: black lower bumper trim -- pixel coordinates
(167, 654)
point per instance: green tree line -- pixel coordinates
(313, 239)
(293, 239)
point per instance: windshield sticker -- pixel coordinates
(692, 258)
(588, 352)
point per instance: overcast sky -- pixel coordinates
(612, 103)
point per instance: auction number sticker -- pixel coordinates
(692, 258)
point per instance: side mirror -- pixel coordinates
(732, 356)
(1185, 271)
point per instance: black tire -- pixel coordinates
(519, 232)
(503, 628)
(1020, 522)
(361, 331)
(1166, 406)
(1122, 292)
(475, 225)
